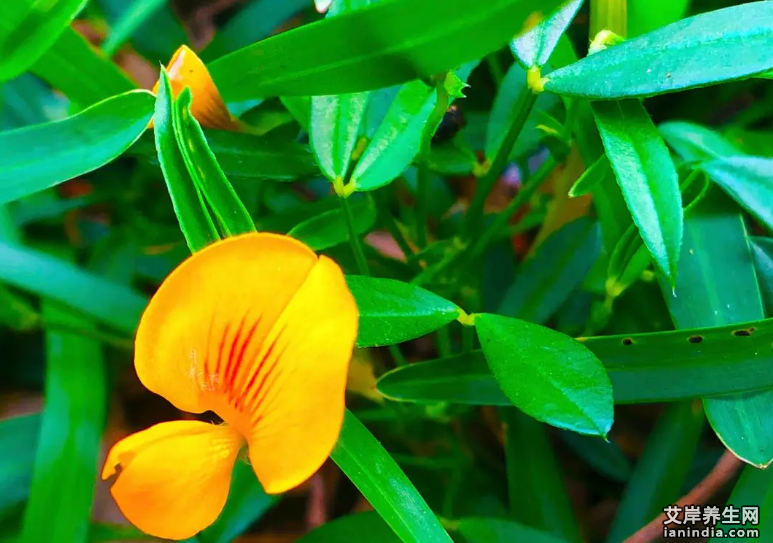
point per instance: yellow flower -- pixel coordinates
(259, 330)
(186, 69)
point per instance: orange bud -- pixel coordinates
(186, 69)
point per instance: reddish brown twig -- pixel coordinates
(723, 471)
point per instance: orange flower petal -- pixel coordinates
(259, 330)
(173, 478)
(296, 395)
(187, 70)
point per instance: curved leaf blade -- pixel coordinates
(205, 172)
(67, 456)
(382, 45)
(533, 48)
(647, 178)
(547, 375)
(28, 28)
(715, 47)
(34, 158)
(49, 277)
(329, 229)
(187, 200)
(373, 471)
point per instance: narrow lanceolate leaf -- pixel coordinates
(62, 490)
(28, 28)
(18, 439)
(381, 481)
(392, 311)
(133, 18)
(49, 277)
(189, 206)
(397, 140)
(533, 48)
(647, 178)
(329, 229)
(694, 142)
(686, 364)
(205, 172)
(547, 375)
(38, 157)
(335, 127)
(719, 286)
(80, 71)
(714, 47)
(406, 40)
(748, 180)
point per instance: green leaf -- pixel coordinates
(329, 229)
(646, 176)
(188, 202)
(28, 28)
(714, 47)
(591, 177)
(660, 471)
(547, 375)
(334, 130)
(49, 277)
(81, 72)
(381, 481)
(533, 48)
(494, 530)
(35, 158)
(133, 18)
(109, 533)
(258, 19)
(397, 140)
(205, 172)
(694, 142)
(392, 311)
(720, 287)
(247, 502)
(534, 471)
(762, 251)
(352, 527)
(18, 438)
(382, 45)
(545, 280)
(68, 451)
(749, 181)
(643, 368)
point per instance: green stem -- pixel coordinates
(422, 171)
(468, 339)
(486, 183)
(354, 238)
(609, 15)
(444, 342)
